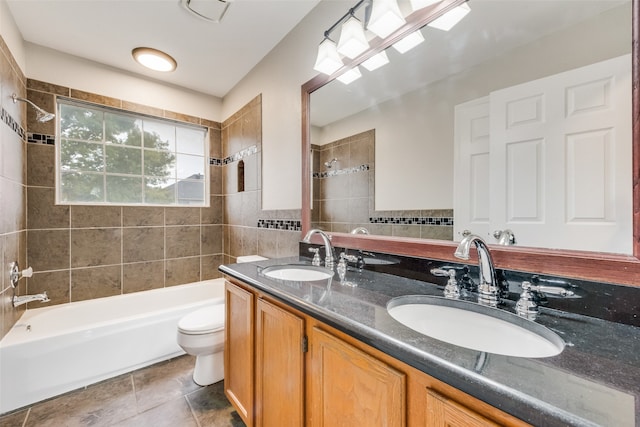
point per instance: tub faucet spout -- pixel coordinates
(19, 300)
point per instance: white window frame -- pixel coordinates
(178, 124)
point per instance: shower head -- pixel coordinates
(41, 115)
(330, 163)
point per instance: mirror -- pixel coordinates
(418, 183)
(391, 135)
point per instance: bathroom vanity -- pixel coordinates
(320, 353)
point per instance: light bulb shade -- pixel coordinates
(451, 18)
(385, 18)
(350, 76)
(154, 59)
(419, 4)
(352, 39)
(328, 60)
(409, 42)
(376, 61)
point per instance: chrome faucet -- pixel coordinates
(19, 300)
(329, 254)
(488, 289)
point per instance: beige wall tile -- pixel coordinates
(96, 216)
(209, 266)
(211, 239)
(42, 212)
(95, 282)
(48, 249)
(41, 165)
(182, 270)
(142, 216)
(182, 241)
(143, 244)
(214, 213)
(92, 247)
(182, 216)
(142, 276)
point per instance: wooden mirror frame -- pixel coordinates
(595, 266)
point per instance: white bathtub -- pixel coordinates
(52, 350)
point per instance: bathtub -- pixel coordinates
(52, 350)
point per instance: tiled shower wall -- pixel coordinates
(344, 191)
(249, 229)
(12, 182)
(85, 252)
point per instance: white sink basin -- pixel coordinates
(297, 273)
(474, 326)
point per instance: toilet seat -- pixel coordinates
(203, 321)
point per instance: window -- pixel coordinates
(110, 157)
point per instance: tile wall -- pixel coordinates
(343, 194)
(13, 188)
(249, 229)
(85, 252)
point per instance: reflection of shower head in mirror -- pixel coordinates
(41, 115)
(330, 163)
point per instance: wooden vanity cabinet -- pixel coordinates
(264, 360)
(272, 380)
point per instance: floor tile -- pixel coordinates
(14, 420)
(164, 381)
(211, 407)
(174, 413)
(102, 404)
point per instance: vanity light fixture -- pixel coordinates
(451, 18)
(328, 60)
(409, 42)
(385, 18)
(376, 61)
(352, 39)
(350, 75)
(154, 59)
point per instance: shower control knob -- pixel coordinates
(27, 272)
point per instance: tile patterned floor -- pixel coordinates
(157, 396)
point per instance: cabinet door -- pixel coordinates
(351, 388)
(238, 351)
(443, 412)
(279, 367)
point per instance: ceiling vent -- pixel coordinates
(209, 10)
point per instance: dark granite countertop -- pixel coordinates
(594, 381)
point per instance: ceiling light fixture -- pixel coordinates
(409, 42)
(451, 18)
(376, 61)
(352, 39)
(154, 59)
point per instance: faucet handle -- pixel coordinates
(527, 305)
(316, 257)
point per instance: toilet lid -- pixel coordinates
(204, 320)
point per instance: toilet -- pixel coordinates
(201, 334)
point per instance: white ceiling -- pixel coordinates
(212, 58)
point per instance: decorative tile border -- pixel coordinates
(9, 121)
(234, 157)
(280, 224)
(40, 138)
(426, 220)
(355, 169)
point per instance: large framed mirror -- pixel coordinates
(414, 197)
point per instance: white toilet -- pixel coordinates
(201, 334)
